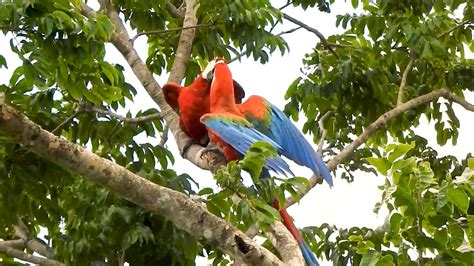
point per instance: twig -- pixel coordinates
(156, 32)
(10, 251)
(454, 28)
(313, 30)
(138, 119)
(380, 122)
(164, 135)
(289, 31)
(67, 120)
(323, 130)
(403, 83)
(289, 2)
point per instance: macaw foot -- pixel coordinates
(214, 156)
(210, 149)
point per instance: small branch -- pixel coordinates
(289, 31)
(457, 26)
(67, 121)
(289, 2)
(156, 32)
(380, 122)
(323, 130)
(14, 253)
(403, 83)
(323, 39)
(164, 136)
(94, 109)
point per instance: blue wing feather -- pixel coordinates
(241, 138)
(294, 145)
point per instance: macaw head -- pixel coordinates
(209, 72)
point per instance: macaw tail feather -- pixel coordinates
(308, 256)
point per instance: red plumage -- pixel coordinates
(192, 102)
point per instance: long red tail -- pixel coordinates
(288, 222)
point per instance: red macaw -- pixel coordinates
(192, 102)
(235, 127)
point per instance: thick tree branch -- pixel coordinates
(16, 243)
(403, 83)
(185, 44)
(323, 39)
(179, 208)
(7, 248)
(381, 122)
(286, 244)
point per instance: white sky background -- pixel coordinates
(345, 205)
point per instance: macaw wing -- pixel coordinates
(241, 137)
(171, 91)
(294, 145)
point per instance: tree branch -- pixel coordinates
(285, 243)
(175, 12)
(183, 51)
(457, 26)
(380, 122)
(32, 243)
(323, 130)
(7, 248)
(323, 39)
(403, 83)
(179, 208)
(94, 109)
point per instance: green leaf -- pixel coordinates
(381, 164)
(370, 258)
(458, 197)
(470, 163)
(3, 62)
(205, 191)
(399, 150)
(355, 3)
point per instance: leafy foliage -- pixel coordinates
(64, 74)
(430, 212)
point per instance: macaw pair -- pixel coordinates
(215, 97)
